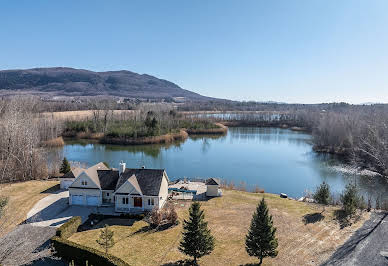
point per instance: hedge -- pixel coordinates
(80, 254)
(69, 228)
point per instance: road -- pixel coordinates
(367, 246)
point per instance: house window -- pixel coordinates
(107, 194)
(123, 200)
(151, 202)
(84, 183)
(126, 200)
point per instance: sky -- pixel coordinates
(300, 51)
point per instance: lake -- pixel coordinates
(277, 160)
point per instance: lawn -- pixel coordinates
(21, 198)
(229, 218)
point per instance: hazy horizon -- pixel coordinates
(293, 52)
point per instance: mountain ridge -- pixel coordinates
(66, 81)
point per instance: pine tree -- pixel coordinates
(322, 194)
(65, 167)
(106, 238)
(197, 240)
(260, 241)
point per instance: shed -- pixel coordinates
(212, 187)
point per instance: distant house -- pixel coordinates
(129, 190)
(67, 179)
(212, 187)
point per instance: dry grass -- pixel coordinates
(80, 115)
(229, 218)
(21, 198)
(56, 142)
(167, 138)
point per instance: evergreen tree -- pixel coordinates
(65, 167)
(322, 194)
(350, 200)
(260, 241)
(106, 239)
(197, 240)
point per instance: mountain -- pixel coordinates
(62, 81)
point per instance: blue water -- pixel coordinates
(277, 160)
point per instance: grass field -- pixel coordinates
(21, 198)
(300, 243)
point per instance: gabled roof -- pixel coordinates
(212, 181)
(91, 172)
(73, 173)
(148, 180)
(108, 179)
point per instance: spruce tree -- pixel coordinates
(65, 167)
(260, 241)
(197, 240)
(106, 239)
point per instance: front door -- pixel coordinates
(137, 202)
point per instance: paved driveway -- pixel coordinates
(367, 246)
(54, 210)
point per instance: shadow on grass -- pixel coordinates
(343, 219)
(311, 218)
(151, 229)
(180, 263)
(52, 190)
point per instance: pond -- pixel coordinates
(277, 160)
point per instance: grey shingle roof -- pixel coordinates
(149, 180)
(108, 179)
(213, 181)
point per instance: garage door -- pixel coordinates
(77, 200)
(65, 184)
(92, 200)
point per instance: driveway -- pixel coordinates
(367, 246)
(54, 210)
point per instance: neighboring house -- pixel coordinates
(129, 190)
(67, 179)
(212, 187)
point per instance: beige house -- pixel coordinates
(129, 190)
(213, 187)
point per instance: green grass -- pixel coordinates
(229, 218)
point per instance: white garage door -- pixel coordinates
(65, 184)
(77, 200)
(92, 200)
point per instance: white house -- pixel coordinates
(212, 187)
(129, 190)
(67, 179)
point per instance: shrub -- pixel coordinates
(69, 228)
(3, 203)
(80, 254)
(322, 194)
(156, 217)
(350, 200)
(172, 215)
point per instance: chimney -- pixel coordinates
(121, 167)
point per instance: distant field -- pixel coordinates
(80, 115)
(229, 218)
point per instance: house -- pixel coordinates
(87, 188)
(67, 179)
(212, 187)
(128, 190)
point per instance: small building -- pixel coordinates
(213, 187)
(67, 179)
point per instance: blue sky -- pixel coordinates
(291, 51)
